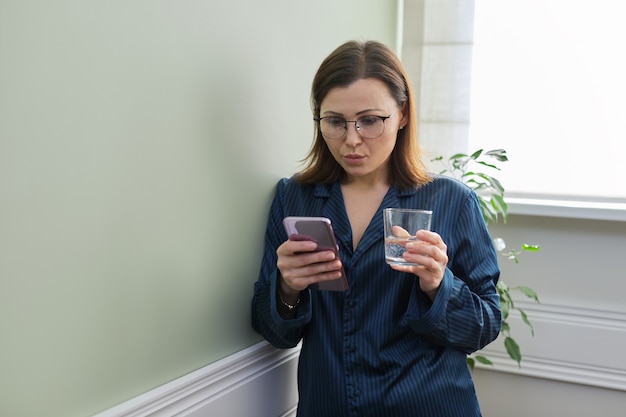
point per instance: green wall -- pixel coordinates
(139, 145)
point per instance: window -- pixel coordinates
(549, 86)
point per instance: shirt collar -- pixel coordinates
(325, 190)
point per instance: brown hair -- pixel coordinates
(348, 63)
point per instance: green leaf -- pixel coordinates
(478, 186)
(488, 165)
(499, 154)
(483, 360)
(488, 213)
(495, 183)
(525, 319)
(528, 292)
(530, 248)
(470, 363)
(495, 204)
(492, 182)
(497, 201)
(505, 298)
(470, 180)
(459, 161)
(476, 154)
(513, 350)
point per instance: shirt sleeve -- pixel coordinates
(266, 320)
(466, 311)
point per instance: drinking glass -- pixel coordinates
(400, 228)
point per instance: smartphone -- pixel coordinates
(320, 231)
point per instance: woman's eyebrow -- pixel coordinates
(368, 111)
(334, 113)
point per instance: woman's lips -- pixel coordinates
(353, 158)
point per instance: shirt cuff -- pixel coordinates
(424, 315)
(303, 310)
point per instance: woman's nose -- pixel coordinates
(353, 137)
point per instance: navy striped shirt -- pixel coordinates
(382, 348)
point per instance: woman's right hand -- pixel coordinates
(300, 266)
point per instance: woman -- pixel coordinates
(395, 343)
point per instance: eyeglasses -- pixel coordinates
(369, 127)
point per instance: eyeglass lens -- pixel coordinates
(369, 127)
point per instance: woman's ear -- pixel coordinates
(405, 117)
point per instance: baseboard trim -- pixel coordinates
(214, 389)
(291, 412)
(558, 371)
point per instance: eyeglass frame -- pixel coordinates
(356, 126)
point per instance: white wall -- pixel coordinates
(139, 145)
(502, 394)
(574, 364)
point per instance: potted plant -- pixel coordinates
(477, 171)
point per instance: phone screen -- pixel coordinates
(318, 231)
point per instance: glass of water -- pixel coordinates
(400, 228)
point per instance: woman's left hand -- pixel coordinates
(430, 253)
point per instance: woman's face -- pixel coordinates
(361, 158)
